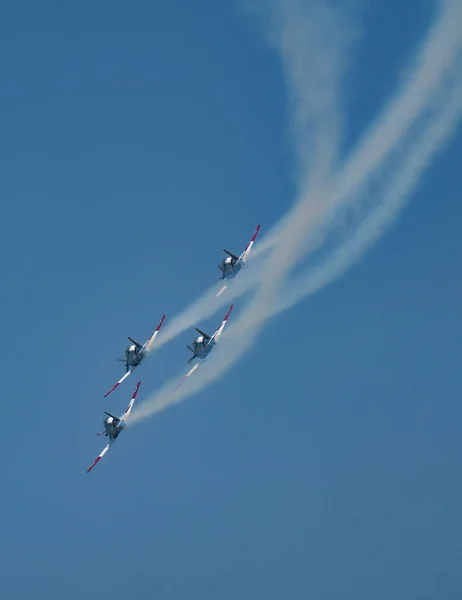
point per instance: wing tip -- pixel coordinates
(160, 324)
(228, 313)
(94, 464)
(112, 389)
(256, 232)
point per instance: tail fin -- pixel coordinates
(231, 254)
(206, 335)
(113, 416)
(133, 341)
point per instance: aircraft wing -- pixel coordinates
(188, 374)
(219, 331)
(129, 372)
(150, 342)
(130, 406)
(99, 457)
(243, 257)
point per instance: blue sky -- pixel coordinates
(325, 465)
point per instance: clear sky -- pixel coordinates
(137, 140)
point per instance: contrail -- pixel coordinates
(316, 111)
(298, 31)
(431, 62)
(393, 155)
(391, 202)
(438, 54)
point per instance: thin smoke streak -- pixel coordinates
(397, 193)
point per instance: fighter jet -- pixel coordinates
(202, 345)
(134, 354)
(231, 266)
(113, 426)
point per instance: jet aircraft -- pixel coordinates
(134, 354)
(231, 265)
(202, 345)
(113, 426)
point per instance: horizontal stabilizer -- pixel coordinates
(194, 354)
(231, 254)
(137, 344)
(206, 335)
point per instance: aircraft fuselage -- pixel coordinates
(201, 348)
(111, 428)
(230, 267)
(133, 356)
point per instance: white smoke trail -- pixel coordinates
(315, 111)
(422, 85)
(299, 31)
(434, 58)
(397, 192)
(430, 91)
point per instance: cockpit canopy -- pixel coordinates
(131, 348)
(199, 340)
(228, 261)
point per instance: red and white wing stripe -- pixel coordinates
(132, 402)
(149, 343)
(129, 372)
(100, 456)
(219, 331)
(188, 374)
(246, 252)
